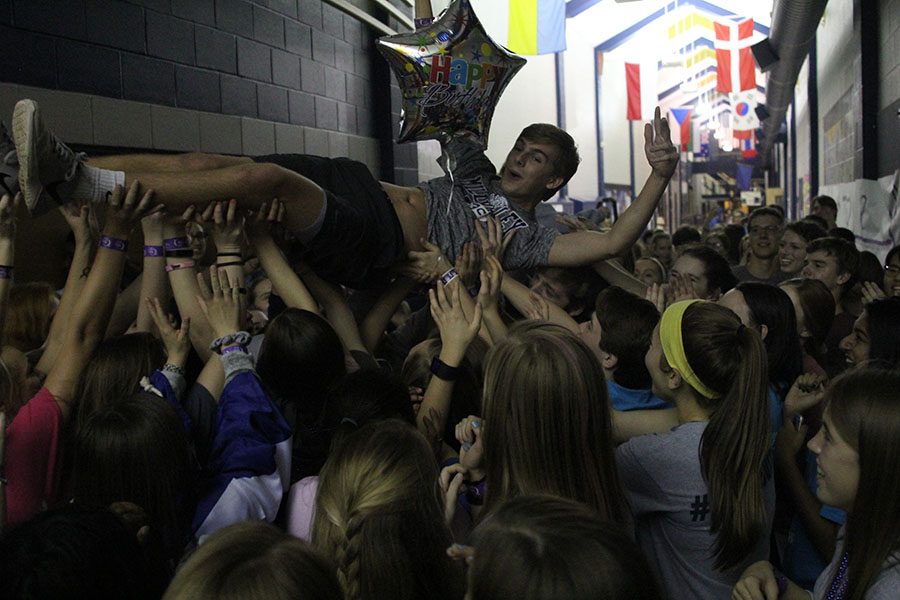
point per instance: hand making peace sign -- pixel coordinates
(661, 152)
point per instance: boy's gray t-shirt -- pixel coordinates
(671, 507)
(476, 194)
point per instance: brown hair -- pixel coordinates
(862, 404)
(28, 315)
(547, 426)
(256, 561)
(379, 516)
(730, 359)
(817, 305)
(845, 253)
(566, 161)
(626, 325)
(569, 551)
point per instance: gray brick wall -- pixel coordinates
(302, 62)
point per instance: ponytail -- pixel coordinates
(730, 359)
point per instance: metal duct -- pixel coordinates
(794, 24)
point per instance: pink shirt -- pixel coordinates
(301, 507)
(32, 457)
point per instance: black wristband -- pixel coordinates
(442, 370)
(179, 253)
(238, 254)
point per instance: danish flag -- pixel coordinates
(735, 69)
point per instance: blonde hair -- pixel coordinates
(28, 316)
(547, 423)
(254, 561)
(379, 516)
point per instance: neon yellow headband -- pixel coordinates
(673, 346)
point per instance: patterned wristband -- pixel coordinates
(6, 272)
(153, 251)
(173, 368)
(423, 22)
(186, 264)
(233, 348)
(111, 243)
(449, 276)
(177, 243)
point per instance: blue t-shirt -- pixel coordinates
(802, 563)
(623, 398)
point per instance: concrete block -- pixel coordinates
(315, 141)
(254, 60)
(302, 108)
(285, 7)
(220, 134)
(170, 38)
(273, 103)
(257, 137)
(312, 76)
(335, 86)
(338, 144)
(288, 139)
(10, 93)
(346, 118)
(298, 38)
(356, 149)
(148, 79)
(343, 56)
(323, 47)
(332, 20)
(67, 19)
(175, 128)
(352, 31)
(198, 89)
(235, 16)
(121, 123)
(238, 96)
(115, 23)
(268, 27)
(68, 114)
(285, 69)
(326, 113)
(198, 11)
(216, 50)
(310, 12)
(27, 57)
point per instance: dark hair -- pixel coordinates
(845, 253)
(582, 285)
(28, 315)
(254, 561)
(686, 234)
(807, 230)
(301, 359)
(843, 233)
(891, 254)
(816, 220)
(115, 371)
(659, 234)
(568, 550)
(771, 306)
(626, 325)
(76, 552)
(735, 234)
(730, 360)
(366, 396)
(136, 450)
(718, 271)
(884, 330)
(567, 159)
(825, 201)
(862, 404)
(869, 269)
(817, 305)
(764, 211)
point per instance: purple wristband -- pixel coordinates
(422, 22)
(6, 272)
(233, 348)
(111, 243)
(177, 243)
(153, 251)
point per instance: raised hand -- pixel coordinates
(221, 302)
(808, 391)
(656, 293)
(661, 152)
(871, 292)
(125, 210)
(176, 341)
(8, 205)
(469, 434)
(228, 225)
(451, 480)
(427, 265)
(491, 280)
(538, 309)
(79, 217)
(265, 219)
(493, 241)
(468, 265)
(457, 332)
(681, 288)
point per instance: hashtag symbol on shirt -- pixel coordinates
(699, 508)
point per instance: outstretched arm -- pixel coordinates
(588, 247)
(8, 207)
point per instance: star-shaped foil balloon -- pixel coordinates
(451, 75)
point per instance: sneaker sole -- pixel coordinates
(23, 135)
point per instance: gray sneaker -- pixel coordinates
(46, 164)
(9, 164)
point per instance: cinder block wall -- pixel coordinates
(227, 76)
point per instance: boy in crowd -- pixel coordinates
(764, 227)
(661, 248)
(355, 229)
(833, 261)
(826, 208)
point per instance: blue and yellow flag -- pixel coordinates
(537, 26)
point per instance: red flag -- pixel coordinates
(735, 69)
(633, 85)
(748, 146)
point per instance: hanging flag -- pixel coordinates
(743, 112)
(695, 135)
(748, 146)
(735, 69)
(640, 84)
(743, 176)
(537, 26)
(704, 144)
(683, 116)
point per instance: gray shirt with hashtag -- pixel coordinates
(474, 193)
(672, 512)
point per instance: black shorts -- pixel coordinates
(361, 238)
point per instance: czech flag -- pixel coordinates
(683, 117)
(735, 69)
(537, 26)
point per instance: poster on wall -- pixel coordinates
(871, 210)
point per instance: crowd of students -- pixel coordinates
(709, 415)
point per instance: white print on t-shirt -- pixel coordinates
(485, 203)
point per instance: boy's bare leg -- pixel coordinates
(166, 163)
